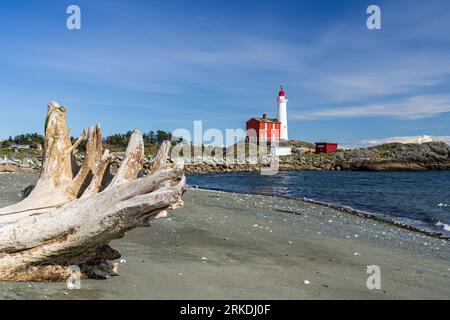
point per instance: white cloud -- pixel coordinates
(401, 139)
(445, 139)
(404, 139)
(417, 107)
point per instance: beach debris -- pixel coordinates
(123, 261)
(356, 236)
(290, 242)
(356, 254)
(307, 282)
(75, 209)
(115, 269)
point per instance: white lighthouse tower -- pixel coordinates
(282, 147)
(282, 114)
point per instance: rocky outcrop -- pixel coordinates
(8, 168)
(388, 157)
(396, 156)
(8, 165)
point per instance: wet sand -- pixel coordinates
(237, 246)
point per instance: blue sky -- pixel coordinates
(163, 64)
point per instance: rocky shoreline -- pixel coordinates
(388, 157)
(19, 165)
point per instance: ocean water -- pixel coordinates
(419, 199)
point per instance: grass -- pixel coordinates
(149, 150)
(315, 155)
(20, 154)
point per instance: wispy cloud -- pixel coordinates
(399, 76)
(218, 60)
(417, 107)
(169, 68)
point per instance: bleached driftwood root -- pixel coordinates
(74, 212)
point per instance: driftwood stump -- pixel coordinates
(75, 211)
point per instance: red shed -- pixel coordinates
(326, 147)
(263, 129)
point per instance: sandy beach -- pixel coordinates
(238, 246)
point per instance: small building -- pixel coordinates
(263, 129)
(326, 147)
(282, 149)
(16, 147)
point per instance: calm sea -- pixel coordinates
(420, 199)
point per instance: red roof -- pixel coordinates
(281, 93)
(327, 143)
(265, 120)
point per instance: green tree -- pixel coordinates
(162, 136)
